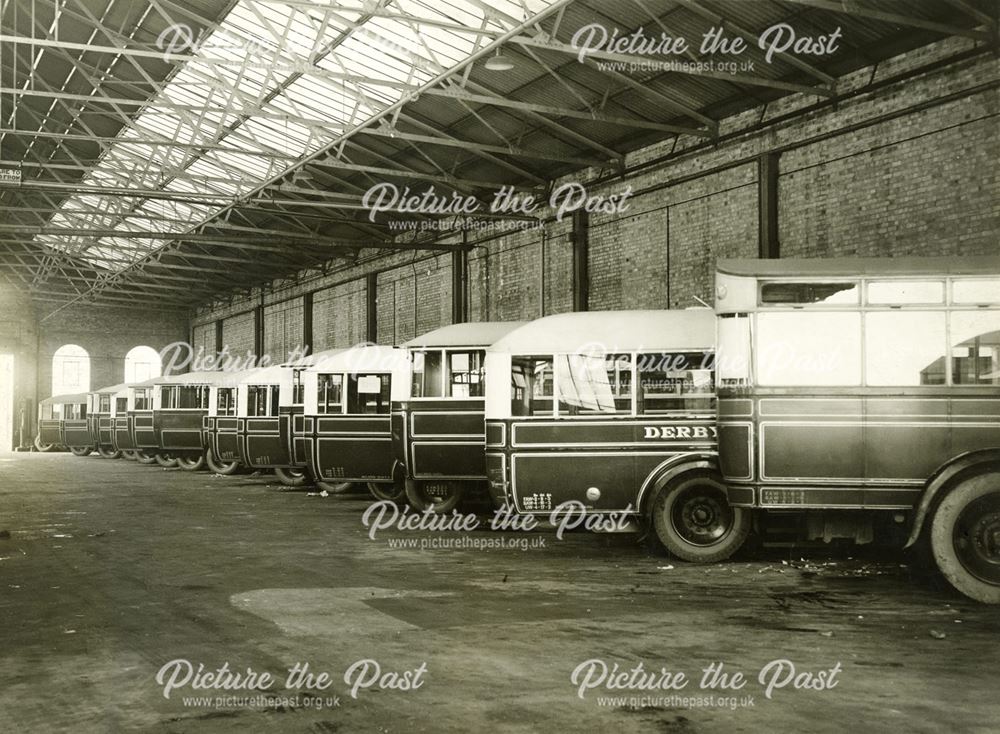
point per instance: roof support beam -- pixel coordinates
(862, 11)
(747, 79)
(474, 146)
(460, 94)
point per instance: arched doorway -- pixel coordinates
(142, 363)
(70, 370)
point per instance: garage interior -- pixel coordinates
(201, 173)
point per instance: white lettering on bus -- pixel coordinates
(671, 432)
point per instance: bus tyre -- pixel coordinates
(225, 468)
(43, 447)
(167, 461)
(191, 463)
(291, 476)
(694, 521)
(388, 491)
(108, 453)
(80, 450)
(129, 454)
(334, 487)
(965, 537)
(143, 457)
(434, 496)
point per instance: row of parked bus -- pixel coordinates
(859, 396)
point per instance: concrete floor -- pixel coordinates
(113, 569)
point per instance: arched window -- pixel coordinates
(142, 363)
(70, 370)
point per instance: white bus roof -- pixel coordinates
(234, 378)
(150, 381)
(73, 397)
(363, 358)
(110, 389)
(860, 266)
(276, 374)
(195, 378)
(475, 334)
(613, 331)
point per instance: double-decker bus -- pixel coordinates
(613, 412)
(865, 394)
(438, 428)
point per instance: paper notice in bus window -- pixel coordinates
(369, 385)
(460, 362)
(460, 390)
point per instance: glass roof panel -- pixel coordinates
(275, 80)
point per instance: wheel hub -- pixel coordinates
(700, 517)
(986, 536)
(977, 538)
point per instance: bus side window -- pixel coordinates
(331, 394)
(592, 384)
(368, 394)
(975, 348)
(187, 397)
(226, 404)
(274, 400)
(465, 374)
(671, 382)
(532, 386)
(121, 405)
(257, 400)
(427, 377)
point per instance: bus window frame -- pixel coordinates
(948, 306)
(559, 414)
(445, 384)
(322, 405)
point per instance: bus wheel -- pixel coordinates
(43, 447)
(129, 454)
(220, 467)
(694, 521)
(191, 463)
(108, 453)
(80, 450)
(388, 491)
(165, 460)
(144, 457)
(291, 476)
(965, 537)
(434, 496)
(334, 487)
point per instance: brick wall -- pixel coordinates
(283, 330)
(339, 315)
(107, 335)
(238, 334)
(901, 169)
(413, 299)
(203, 339)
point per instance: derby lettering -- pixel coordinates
(669, 433)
